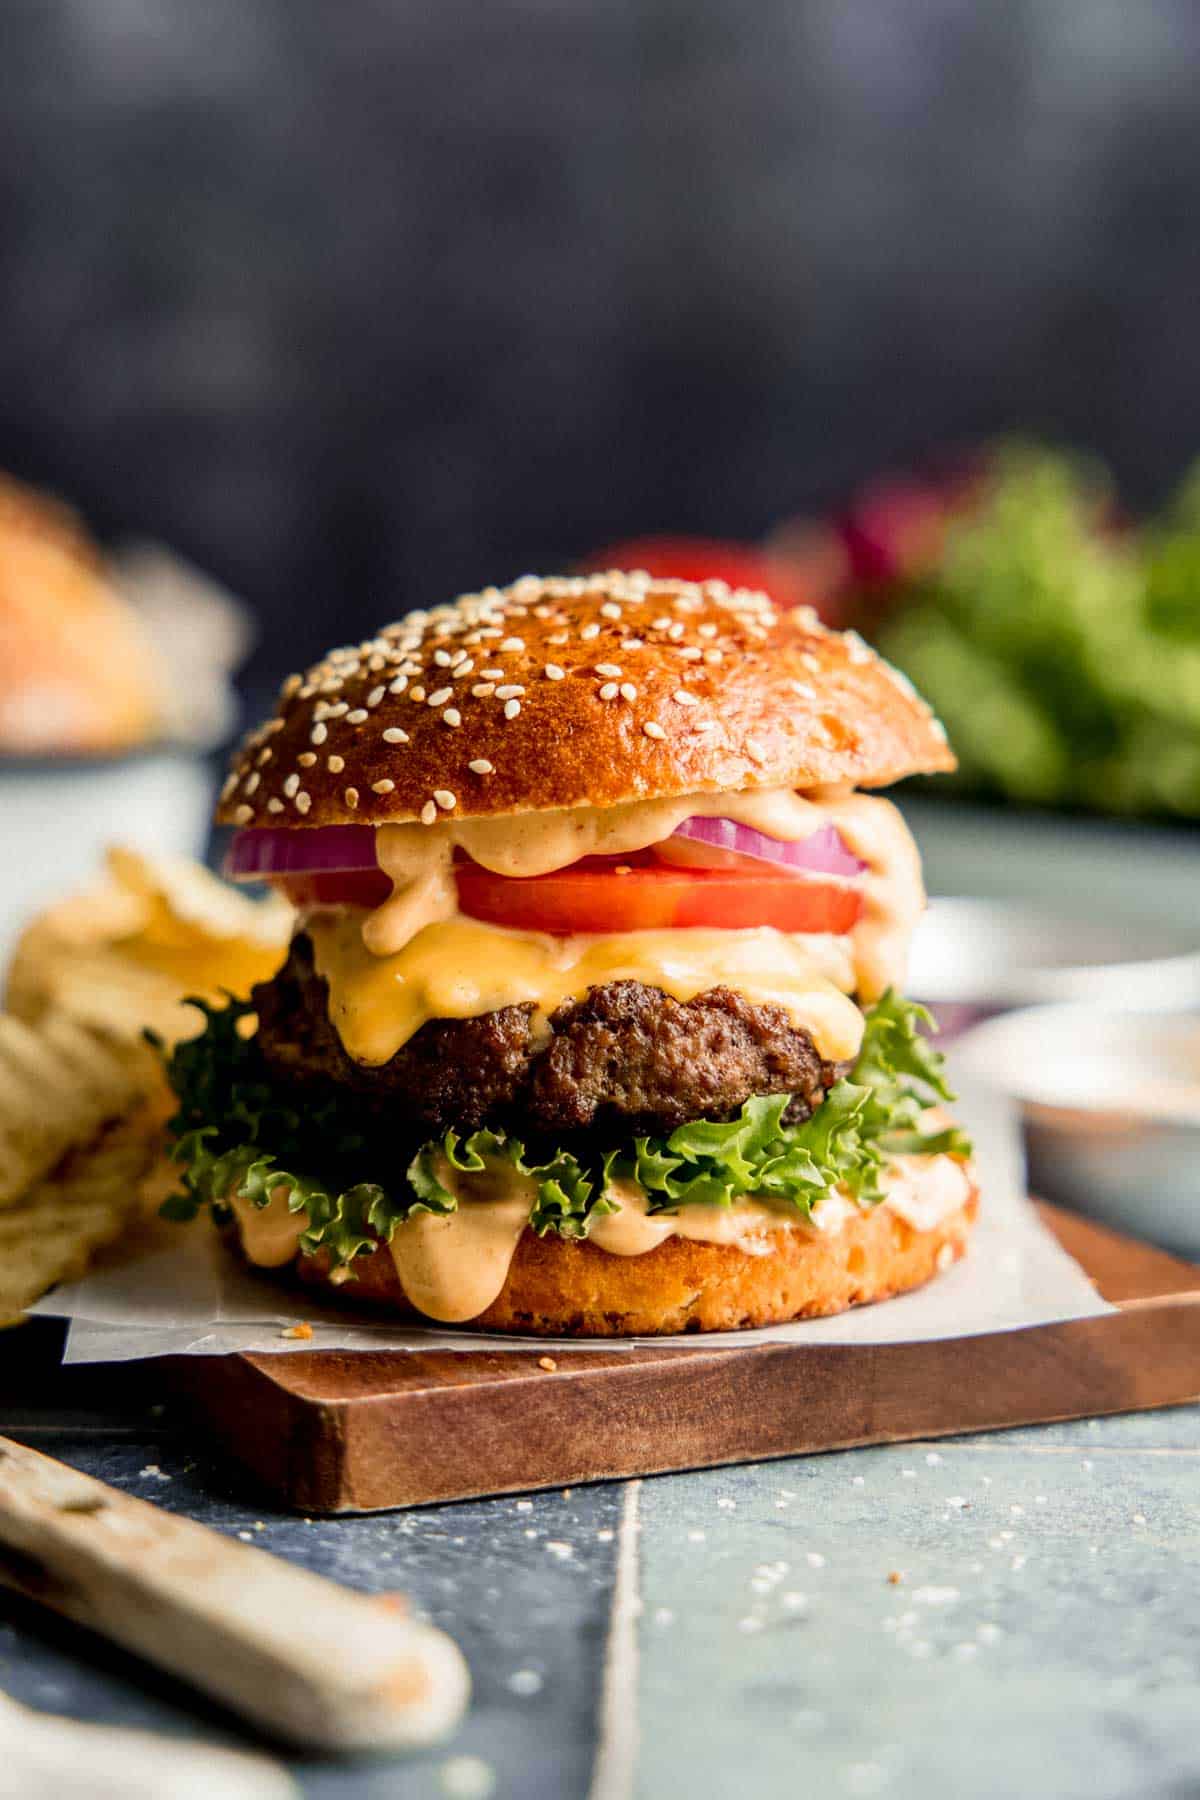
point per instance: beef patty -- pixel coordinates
(627, 1059)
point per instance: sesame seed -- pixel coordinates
(714, 656)
(452, 716)
(707, 630)
(336, 764)
(513, 643)
(303, 801)
(290, 785)
(511, 708)
(683, 698)
(653, 729)
(274, 806)
(307, 758)
(632, 643)
(492, 674)
(228, 785)
(590, 631)
(480, 766)
(661, 625)
(811, 662)
(318, 734)
(382, 787)
(417, 694)
(803, 690)
(242, 815)
(357, 717)
(445, 799)
(442, 658)
(609, 691)
(251, 782)
(628, 692)
(462, 668)
(560, 637)
(376, 695)
(264, 756)
(482, 689)
(351, 798)
(440, 698)
(394, 735)
(398, 686)
(554, 673)
(676, 629)
(689, 653)
(755, 749)
(611, 670)
(428, 813)
(610, 610)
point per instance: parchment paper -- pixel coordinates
(177, 1291)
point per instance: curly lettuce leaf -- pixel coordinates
(236, 1136)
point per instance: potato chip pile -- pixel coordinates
(82, 1098)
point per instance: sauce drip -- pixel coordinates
(453, 1267)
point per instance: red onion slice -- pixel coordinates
(258, 854)
(824, 852)
(286, 850)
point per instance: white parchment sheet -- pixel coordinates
(177, 1291)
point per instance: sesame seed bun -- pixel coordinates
(559, 1288)
(579, 691)
(77, 674)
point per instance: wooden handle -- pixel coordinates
(46, 1757)
(299, 1656)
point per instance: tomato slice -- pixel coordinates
(591, 897)
(335, 887)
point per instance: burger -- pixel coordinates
(592, 1023)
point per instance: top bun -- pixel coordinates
(77, 673)
(579, 691)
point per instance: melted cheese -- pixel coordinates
(460, 968)
(452, 1268)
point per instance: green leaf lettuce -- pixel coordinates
(238, 1135)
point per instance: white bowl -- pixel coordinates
(997, 953)
(1111, 1104)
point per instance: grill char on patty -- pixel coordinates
(626, 1059)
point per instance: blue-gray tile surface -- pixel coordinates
(990, 1616)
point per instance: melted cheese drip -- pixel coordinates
(461, 968)
(452, 1268)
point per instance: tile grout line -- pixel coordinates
(616, 1751)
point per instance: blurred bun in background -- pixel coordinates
(79, 673)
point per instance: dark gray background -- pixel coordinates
(362, 303)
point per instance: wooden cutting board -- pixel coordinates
(340, 1431)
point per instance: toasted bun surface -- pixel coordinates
(558, 1288)
(579, 691)
(77, 673)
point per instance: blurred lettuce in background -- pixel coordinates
(1060, 645)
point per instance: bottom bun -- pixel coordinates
(558, 1287)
